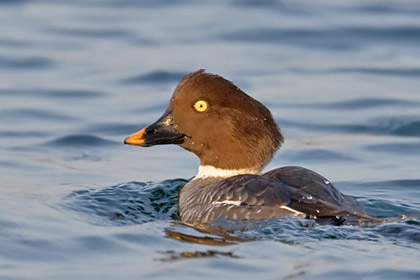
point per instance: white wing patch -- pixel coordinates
(230, 202)
(238, 203)
(295, 212)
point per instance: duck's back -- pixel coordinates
(284, 191)
(313, 194)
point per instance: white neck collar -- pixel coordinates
(209, 171)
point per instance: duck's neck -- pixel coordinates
(209, 171)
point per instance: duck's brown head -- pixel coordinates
(211, 117)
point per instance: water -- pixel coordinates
(342, 79)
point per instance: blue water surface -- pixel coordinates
(342, 79)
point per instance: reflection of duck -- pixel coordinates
(235, 136)
(207, 235)
(174, 256)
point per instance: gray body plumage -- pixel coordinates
(248, 197)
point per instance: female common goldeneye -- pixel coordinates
(235, 136)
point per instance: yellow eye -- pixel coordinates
(201, 106)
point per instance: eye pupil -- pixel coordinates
(201, 106)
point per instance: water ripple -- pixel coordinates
(34, 114)
(292, 230)
(29, 63)
(387, 8)
(51, 93)
(345, 274)
(12, 2)
(353, 104)
(20, 134)
(90, 33)
(397, 148)
(128, 203)
(155, 77)
(367, 103)
(335, 38)
(400, 72)
(389, 125)
(315, 155)
(13, 43)
(382, 208)
(80, 141)
(114, 128)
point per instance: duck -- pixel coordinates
(235, 137)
